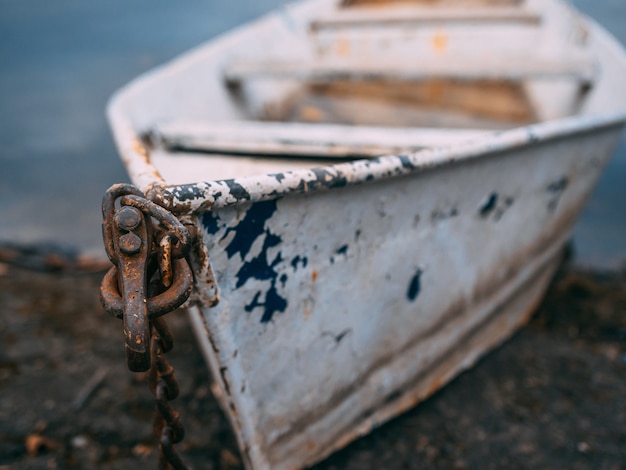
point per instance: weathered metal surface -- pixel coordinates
(150, 278)
(330, 299)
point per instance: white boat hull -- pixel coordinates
(340, 309)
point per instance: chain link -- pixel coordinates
(150, 278)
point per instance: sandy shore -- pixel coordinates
(551, 397)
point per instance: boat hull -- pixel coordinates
(341, 308)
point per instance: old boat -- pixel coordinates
(383, 189)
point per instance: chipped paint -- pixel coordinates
(250, 229)
(495, 206)
(415, 286)
(298, 260)
(555, 190)
(489, 205)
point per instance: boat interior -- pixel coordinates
(349, 79)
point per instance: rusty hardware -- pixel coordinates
(150, 278)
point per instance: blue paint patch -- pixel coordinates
(210, 222)
(342, 250)
(406, 162)
(250, 228)
(415, 286)
(489, 205)
(556, 189)
(258, 268)
(273, 303)
(558, 186)
(279, 176)
(327, 179)
(495, 206)
(237, 191)
(261, 268)
(303, 261)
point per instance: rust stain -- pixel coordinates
(140, 148)
(311, 114)
(342, 48)
(435, 385)
(314, 275)
(440, 42)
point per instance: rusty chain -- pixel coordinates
(150, 278)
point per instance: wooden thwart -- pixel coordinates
(412, 15)
(431, 3)
(581, 69)
(302, 140)
(430, 104)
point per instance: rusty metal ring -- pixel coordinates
(158, 305)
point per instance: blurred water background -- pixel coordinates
(61, 60)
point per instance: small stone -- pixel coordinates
(79, 442)
(36, 444)
(583, 447)
(141, 450)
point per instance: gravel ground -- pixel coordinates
(551, 397)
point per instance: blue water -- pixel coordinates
(600, 236)
(61, 60)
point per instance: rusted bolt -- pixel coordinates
(130, 243)
(128, 218)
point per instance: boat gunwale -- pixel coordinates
(202, 196)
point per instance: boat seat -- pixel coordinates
(393, 17)
(577, 68)
(301, 139)
(430, 3)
